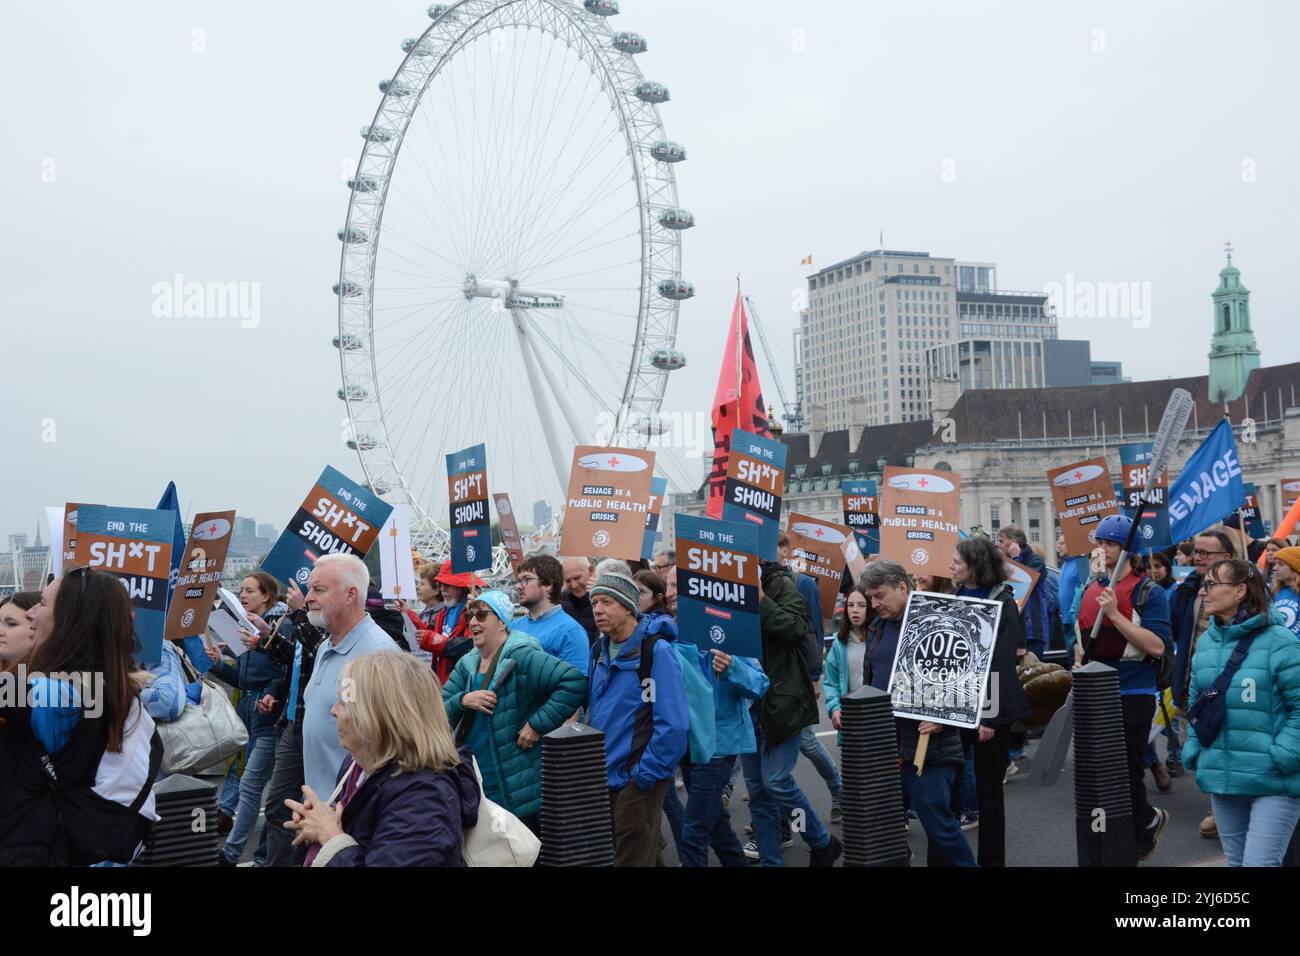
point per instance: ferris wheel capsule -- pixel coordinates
(364, 184)
(673, 218)
(677, 289)
(348, 289)
(667, 152)
(648, 91)
(353, 393)
(376, 134)
(601, 8)
(362, 443)
(351, 236)
(416, 47)
(629, 43)
(395, 88)
(668, 360)
(349, 343)
(437, 11)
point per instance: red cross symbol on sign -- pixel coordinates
(923, 483)
(819, 532)
(613, 463)
(212, 529)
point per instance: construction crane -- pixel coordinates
(793, 413)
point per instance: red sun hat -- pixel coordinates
(466, 579)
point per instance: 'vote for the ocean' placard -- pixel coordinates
(754, 486)
(1083, 495)
(920, 518)
(467, 494)
(817, 549)
(200, 575)
(862, 512)
(134, 545)
(658, 487)
(609, 498)
(717, 585)
(338, 516)
(1153, 523)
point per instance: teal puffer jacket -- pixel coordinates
(542, 691)
(1257, 752)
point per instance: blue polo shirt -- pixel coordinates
(322, 754)
(560, 636)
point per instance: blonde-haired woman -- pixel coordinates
(405, 795)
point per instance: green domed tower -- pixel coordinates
(1233, 354)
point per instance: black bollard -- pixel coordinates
(1102, 806)
(576, 826)
(187, 833)
(873, 791)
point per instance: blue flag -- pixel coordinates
(1209, 488)
(193, 645)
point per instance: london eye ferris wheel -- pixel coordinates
(515, 279)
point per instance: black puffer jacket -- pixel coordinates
(790, 703)
(1004, 681)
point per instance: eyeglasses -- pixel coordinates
(1206, 554)
(528, 579)
(479, 614)
(1206, 585)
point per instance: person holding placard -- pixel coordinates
(978, 571)
(1134, 634)
(446, 636)
(929, 792)
(1286, 587)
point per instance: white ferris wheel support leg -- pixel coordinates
(580, 434)
(558, 460)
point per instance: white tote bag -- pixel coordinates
(499, 838)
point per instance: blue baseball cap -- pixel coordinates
(498, 603)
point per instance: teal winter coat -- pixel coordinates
(542, 691)
(1257, 752)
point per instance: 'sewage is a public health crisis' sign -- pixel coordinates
(338, 516)
(717, 585)
(609, 498)
(200, 575)
(134, 545)
(467, 496)
(941, 666)
(817, 549)
(920, 518)
(754, 486)
(1083, 495)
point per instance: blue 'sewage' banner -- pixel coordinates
(338, 516)
(1153, 526)
(717, 585)
(862, 512)
(1210, 487)
(658, 486)
(135, 546)
(467, 496)
(754, 486)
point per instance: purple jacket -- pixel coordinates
(410, 819)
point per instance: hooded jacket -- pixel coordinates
(1257, 751)
(406, 819)
(790, 703)
(542, 691)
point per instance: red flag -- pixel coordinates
(749, 412)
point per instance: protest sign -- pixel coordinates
(717, 585)
(1210, 486)
(199, 576)
(1022, 581)
(1252, 518)
(1083, 495)
(70, 511)
(1153, 523)
(853, 557)
(338, 516)
(754, 486)
(135, 546)
(658, 486)
(817, 550)
(862, 512)
(920, 518)
(467, 494)
(941, 665)
(509, 529)
(609, 498)
(1290, 493)
(396, 569)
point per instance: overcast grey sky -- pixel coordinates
(1108, 141)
